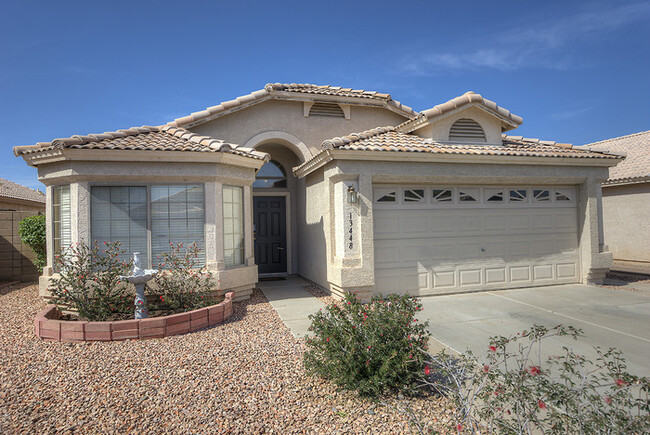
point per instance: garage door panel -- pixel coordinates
(442, 248)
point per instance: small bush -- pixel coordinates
(373, 348)
(516, 390)
(32, 234)
(182, 284)
(88, 281)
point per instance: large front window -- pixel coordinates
(147, 219)
(233, 226)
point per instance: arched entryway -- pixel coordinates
(276, 193)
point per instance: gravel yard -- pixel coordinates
(244, 376)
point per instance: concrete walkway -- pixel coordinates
(292, 302)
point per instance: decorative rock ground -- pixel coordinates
(244, 376)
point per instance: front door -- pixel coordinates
(270, 219)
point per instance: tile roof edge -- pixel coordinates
(626, 136)
(354, 137)
(469, 98)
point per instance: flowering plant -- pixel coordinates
(371, 348)
(183, 284)
(88, 281)
(517, 390)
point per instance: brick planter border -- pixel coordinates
(48, 327)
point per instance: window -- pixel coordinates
(468, 195)
(233, 226)
(147, 219)
(518, 195)
(494, 195)
(61, 226)
(413, 195)
(541, 195)
(562, 195)
(442, 195)
(466, 129)
(270, 175)
(386, 195)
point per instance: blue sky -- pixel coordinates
(575, 71)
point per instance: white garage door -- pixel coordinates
(439, 239)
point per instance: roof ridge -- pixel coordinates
(354, 137)
(617, 138)
(20, 191)
(468, 98)
(538, 141)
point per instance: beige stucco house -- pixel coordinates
(16, 197)
(626, 202)
(347, 188)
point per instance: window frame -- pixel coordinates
(57, 230)
(242, 225)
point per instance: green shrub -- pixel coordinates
(88, 281)
(182, 284)
(32, 234)
(373, 348)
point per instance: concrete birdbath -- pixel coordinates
(139, 278)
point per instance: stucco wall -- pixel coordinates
(287, 116)
(626, 218)
(313, 229)
(11, 204)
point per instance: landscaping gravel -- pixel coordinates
(245, 376)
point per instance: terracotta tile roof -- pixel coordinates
(278, 89)
(389, 139)
(636, 166)
(456, 103)
(145, 138)
(9, 189)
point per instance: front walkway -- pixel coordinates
(292, 302)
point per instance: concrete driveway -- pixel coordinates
(607, 317)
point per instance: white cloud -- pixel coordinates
(533, 46)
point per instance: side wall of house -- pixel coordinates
(626, 218)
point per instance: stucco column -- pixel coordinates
(80, 212)
(49, 233)
(595, 264)
(249, 251)
(214, 226)
(599, 204)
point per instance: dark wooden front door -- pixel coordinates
(270, 233)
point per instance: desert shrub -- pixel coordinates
(182, 284)
(32, 233)
(88, 281)
(515, 390)
(371, 348)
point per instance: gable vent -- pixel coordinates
(467, 129)
(320, 108)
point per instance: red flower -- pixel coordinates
(620, 382)
(327, 339)
(493, 349)
(541, 404)
(608, 399)
(534, 370)
(459, 427)
(427, 370)
(486, 368)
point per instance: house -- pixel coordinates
(277, 182)
(626, 202)
(16, 197)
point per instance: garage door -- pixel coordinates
(440, 239)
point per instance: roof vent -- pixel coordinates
(466, 129)
(320, 108)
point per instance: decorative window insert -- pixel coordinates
(233, 225)
(541, 195)
(468, 195)
(442, 195)
(61, 224)
(147, 219)
(494, 195)
(321, 108)
(518, 195)
(563, 195)
(466, 129)
(271, 175)
(414, 195)
(385, 195)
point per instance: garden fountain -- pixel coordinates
(139, 278)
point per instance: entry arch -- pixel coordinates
(284, 138)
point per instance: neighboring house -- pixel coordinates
(277, 182)
(16, 197)
(626, 202)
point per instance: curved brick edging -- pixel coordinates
(48, 327)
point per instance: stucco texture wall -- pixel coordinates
(626, 220)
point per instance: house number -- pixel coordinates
(350, 233)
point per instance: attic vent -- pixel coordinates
(467, 129)
(320, 108)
